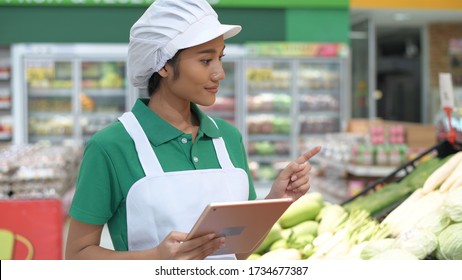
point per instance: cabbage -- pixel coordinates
(395, 254)
(375, 247)
(453, 204)
(418, 242)
(450, 243)
(435, 221)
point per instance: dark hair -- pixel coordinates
(154, 81)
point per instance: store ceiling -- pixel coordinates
(405, 18)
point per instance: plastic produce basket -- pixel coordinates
(440, 150)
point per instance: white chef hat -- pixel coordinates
(166, 27)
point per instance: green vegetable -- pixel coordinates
(306, 227)
(273, 235)
(305, 208)
(395, 254)
(450, 243)
(420, 243)
(278, 244)
(453, 204)
(282, 254)
(393, 193)
(435, 221)
(375, 247)
(253, 257)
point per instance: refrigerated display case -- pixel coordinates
(269, 113)
(6, 120)
(67, 92)
(291, 103)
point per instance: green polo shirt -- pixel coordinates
(110, 164)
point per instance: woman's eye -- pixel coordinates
(206, 61)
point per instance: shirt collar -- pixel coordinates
(152, 123)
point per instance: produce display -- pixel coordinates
(52, 114)
(37, 170)
(421, 219)
(392, 193)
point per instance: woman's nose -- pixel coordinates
(218, 74)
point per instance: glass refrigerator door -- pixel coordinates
(269, 115)
(226, 103)
(103, 94)
(49, 92)
(319, 84)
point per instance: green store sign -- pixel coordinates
(216, 3)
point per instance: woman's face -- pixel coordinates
(200, 71)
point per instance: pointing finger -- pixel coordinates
(306, 156)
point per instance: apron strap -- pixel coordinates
(222, 153)
(146, 155)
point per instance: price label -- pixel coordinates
(446, 91)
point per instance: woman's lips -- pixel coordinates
(212, 89)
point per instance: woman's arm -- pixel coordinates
(294, 180)
(83, 243)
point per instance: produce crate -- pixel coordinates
(441, 150)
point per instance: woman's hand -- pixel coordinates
(173, 247)
(294, 181)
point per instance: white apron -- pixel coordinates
(163, 202)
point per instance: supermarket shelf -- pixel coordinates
(371, 171)
(357, 170)
(6, 136)
(106, 92)
(5, 105)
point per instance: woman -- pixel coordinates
(150, 174)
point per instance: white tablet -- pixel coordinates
(243, 223)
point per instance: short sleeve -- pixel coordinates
(97, 193)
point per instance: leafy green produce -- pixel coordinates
(450, 243)
(435, 221)
(453, 204)
(420, 243)
(375, 247)
(395, 254)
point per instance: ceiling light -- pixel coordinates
(401, 16)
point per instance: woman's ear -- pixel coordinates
(163, 72)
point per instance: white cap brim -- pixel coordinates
(202, 31)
